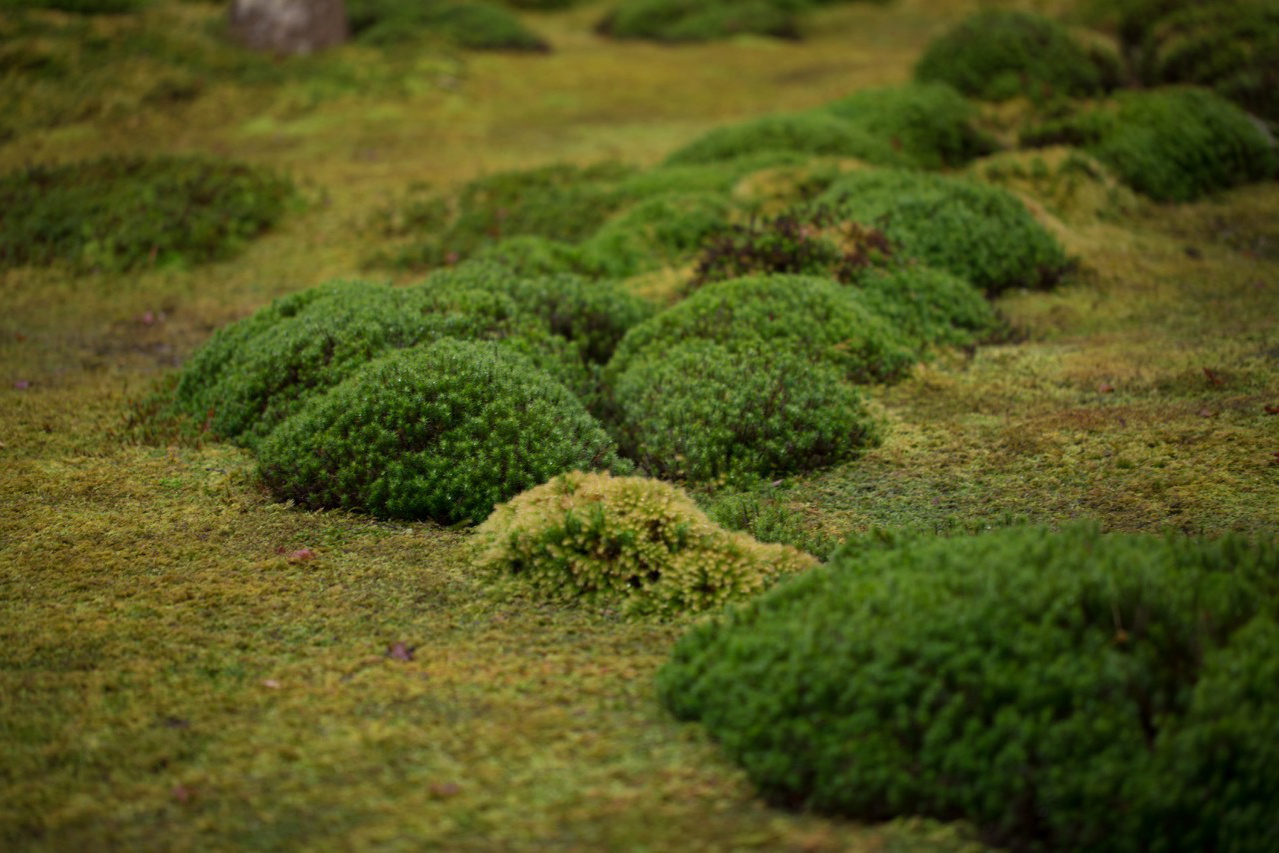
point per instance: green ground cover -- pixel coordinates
(185, 661)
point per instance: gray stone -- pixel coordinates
(289, 27)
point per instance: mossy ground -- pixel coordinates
(171, 678)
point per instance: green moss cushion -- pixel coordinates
(811, 316)
(978, 232)
(440, 432)
(1058, 690)
(702, 412)
(997, 54)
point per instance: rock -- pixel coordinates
(289, 26)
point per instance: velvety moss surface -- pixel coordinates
(894, 681)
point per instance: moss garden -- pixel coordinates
(806, 425)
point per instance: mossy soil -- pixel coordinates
(186, 664)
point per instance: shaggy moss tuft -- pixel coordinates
(627, 542)
(438, 432)
(702, 412)
(894, 681)
(117, 214)
(981, 233)
(997, 54)
(813, 316)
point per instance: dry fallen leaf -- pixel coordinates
(271, 683)
(399, 651)
(1272, 410)
(302, 555)
(182, 793)
(1105, 388)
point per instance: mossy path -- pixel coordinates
(186, 664)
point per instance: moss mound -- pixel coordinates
(252, 375)
(1177, 145)
(593, 315)
(703, 412)
(470, 24)
(1065, 690)
(981, 233)
(815, 133)
(811, 316)
(1072, 184)
(440, 432)
(117, 214)
(626, 542)
(997, 54)
(701, 20)
(930, 306)
(930, 124)
(658, 232)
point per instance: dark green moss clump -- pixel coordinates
(1058, 690)
(812, 316)
(704, 412)
(998, 54)
(931, 124)
(1176, 145)
(701, 20)
(981, 233)
(928, 305)
(441, 432)
(658, 232)
(252, 375)
(470, 24)
(119, 214)
(593, 315)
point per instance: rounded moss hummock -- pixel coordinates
(1179, 144)
(252, 375)
(1063, 690)
(1232, 47)
(982, 233)
(929, 123)
(116, 214)
(702, 412)
(658, 232)
(930, 305)
(997, 54)
(813, 133)
(807, 315)
(441, 432)
(640, 545)
(592, 315)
